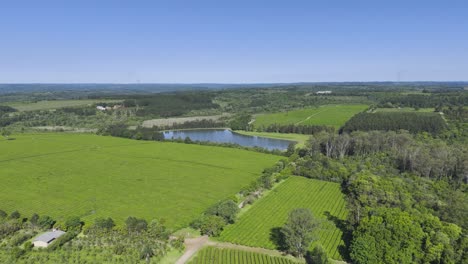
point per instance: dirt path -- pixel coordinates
(192, 245)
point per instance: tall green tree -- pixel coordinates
(298, 232)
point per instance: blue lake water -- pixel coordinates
(227, 136)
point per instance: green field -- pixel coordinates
(89, 176)
(44, 105)
(299, 138)
(213, 255)
(328, 115)
(255, 226)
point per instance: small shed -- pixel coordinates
(44, 240)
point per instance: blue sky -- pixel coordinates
(232, 41)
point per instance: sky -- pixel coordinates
(232, 41)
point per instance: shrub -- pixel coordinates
(15, 215)
(212, 225)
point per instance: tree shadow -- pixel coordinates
(277, 237)
(346, 237)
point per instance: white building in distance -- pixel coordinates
(323, 92)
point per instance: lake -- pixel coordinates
(227, 136)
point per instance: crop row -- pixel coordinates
(212, 255)
(259, 225)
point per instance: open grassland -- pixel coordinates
(327, 115)
(263, 220)
(54, 104)
(299, 138)
(212, 255)
(87, 175)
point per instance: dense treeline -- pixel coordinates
(297, 129)
(167, 105)
(406, 194)
(4, 109)
(425, 100)
(240, 122)
(81, 111)
(414, 122)
(459, 114)
(420, 155)
(140, 133)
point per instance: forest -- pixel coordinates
(399, 187)
(414, 122)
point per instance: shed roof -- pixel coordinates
(49, 236)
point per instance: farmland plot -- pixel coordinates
(327, 115)
(256, 226)
(213, 255)
(93, 176)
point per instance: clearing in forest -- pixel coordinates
(92, 176)
(327, 115)
(260, 224)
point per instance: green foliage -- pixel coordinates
(385, 151)
(73, 223)
(298, 232)
(260, 225)
(425, 100)
(28, 245)
(135, 225)
(3, 214)
(19, 238)
(240, 122)
(394, 218)
(45, 221)
(431, 123)
(297, 129)
(17, 252)
(318, 256)
(96, 176)
(211, 225)
(5, 109)
(213, 255)
(157, 229)
(34, 219)
(140, 133)
(104, 223)
(227, 209)
(59, 242)
(15, 215)
(166, 105)
(396, 232)
(146, 253)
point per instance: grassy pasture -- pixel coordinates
(213, 255)
(90, 176)
(54, 104)
(324, 199)
(328, 115)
